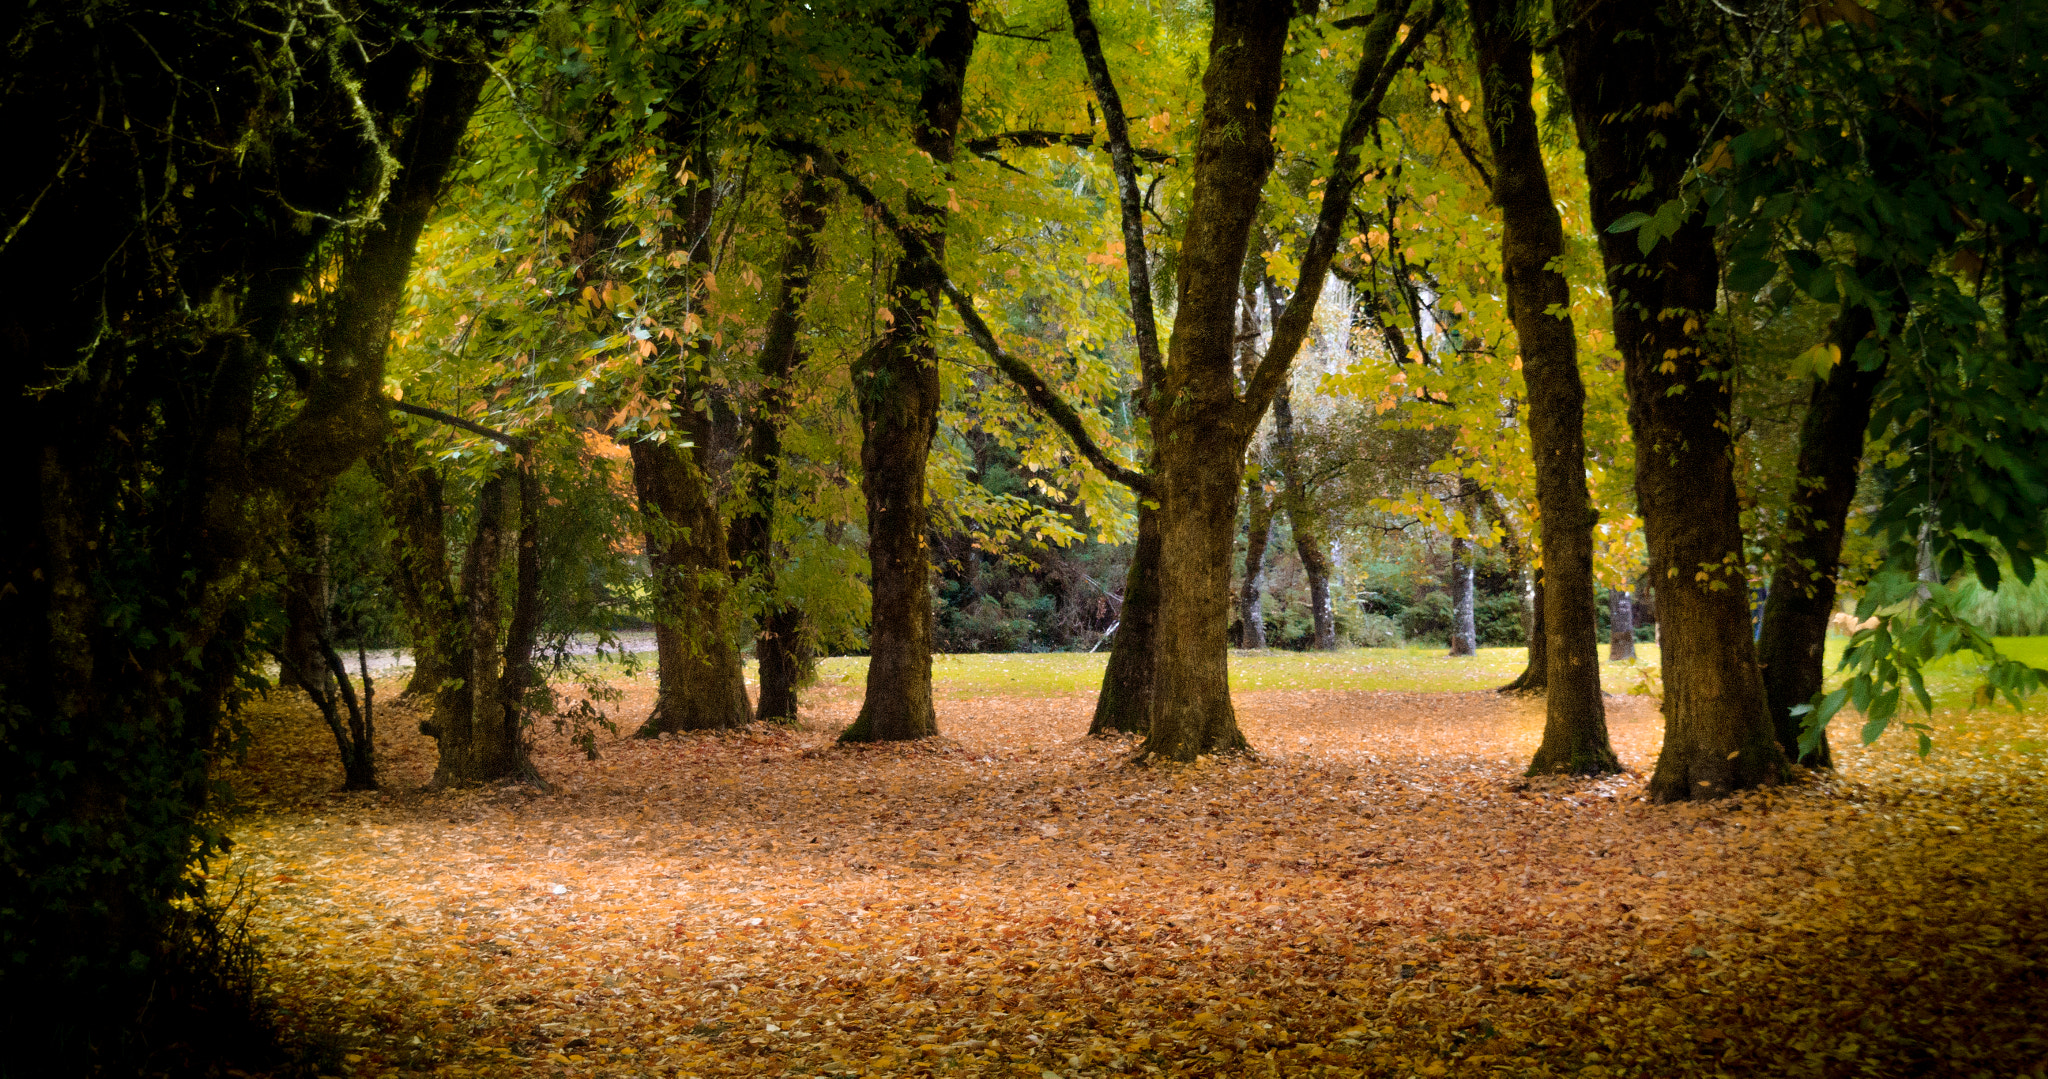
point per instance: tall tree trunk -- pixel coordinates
(702, 683)
(1640, 119)
(1464, 630)
(897, 384)
(1536, 672)
(1802, 596)
(781, 643)
(1251, 614)
(417, 505)
(468, 721)
(308, 593)
(1575, 715)
(1301, 519)
(1621, 626)
(1124, 704)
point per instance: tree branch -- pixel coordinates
(1380, 60)
(989, 145)
(1464, 147)
(452, 420)
(1137, 267)
(1034, 386)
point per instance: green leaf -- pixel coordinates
(1628, 222)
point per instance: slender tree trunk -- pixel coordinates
(1258, 531)
(468, 718)
(1802, 595)
(307, 595)
(1536, 673)
(1621, 626)
(897, 384)
(1575, 715)
(1124, 704)
(1639, 120)
(1464, 631)
(781, 644)
(702, 683)
(1301, 519)
(415, 502)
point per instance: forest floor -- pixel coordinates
(1377, 892)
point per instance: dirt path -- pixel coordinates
(1377, 894)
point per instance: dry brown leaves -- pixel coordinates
(1377, 894)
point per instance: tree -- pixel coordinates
(1639, 121)
(1539, 300)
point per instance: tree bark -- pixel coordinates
(1640, 119)
(1124, 704)
(1301, 520)
(897, 385)
(1251, 614)
(1575, 736)
(702, 683)
(308, 593)
(1536, 672)
(469, 716)
(1464, 632)
(1802, 596)
(415, 501)
(781, 644)
(1621, 626)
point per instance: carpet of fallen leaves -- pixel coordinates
(1378, 893)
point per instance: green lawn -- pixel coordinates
(1411, 670)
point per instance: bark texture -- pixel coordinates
(1575, 736)
(1464, 630)
(1124, 704)
(416, 503)
(1802, 596)
(1639, 119)
(1301, 520)
(479, 738)
(1536, 671)
(897, 384)
(1621, 626)
(702, 683)
(1251, 614)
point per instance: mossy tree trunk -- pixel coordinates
(1575, 738)
(1640, 119)
(702, 685)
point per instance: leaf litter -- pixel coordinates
(1377, 893)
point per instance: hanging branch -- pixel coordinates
(509, 441)
(1138, 268)
(1034, 386)
(1380, 60)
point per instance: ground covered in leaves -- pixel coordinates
(1377, 893)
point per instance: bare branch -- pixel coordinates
(452, 420)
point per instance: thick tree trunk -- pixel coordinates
(1251, 613)
(1124, 704)
(307, 595)
(1802, 596)
(469, 715)
(1200, 430)
(1575, 716)
(415, 502)
(702, 683)
(1464, 630)
(1639, 120)
(781, 644)
(1301, 520)
(1621, 626)
(897, 384)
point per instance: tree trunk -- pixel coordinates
(897, 384)
(1258, 531)
(1575, 737)
(1302, 521)
(1464, 632)
(702, 683)
(1639, 120)
(417, 506)
(308, 593)
(1536, 673)
(1621, 626)
(1802, 596)
(1124, 704)
(469, 715)
(781, 644)
(1200, 431)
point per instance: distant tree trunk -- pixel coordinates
(897, 384)
(1802, 596)
(1536, 673)
(1464, 631)
(1124, 704)
(1301, 520)
(476, 743)
(307, 595)
(1621, 626)
(1575, 737)
(780, 642)
(1639, 119)
(1258, 531)
(415, 502)
(702, 683)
